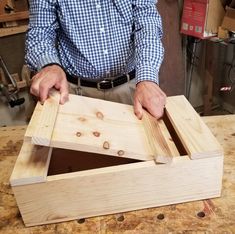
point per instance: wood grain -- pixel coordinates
(14, 16)
(181, 218)
(171, 75)
(45, 124)
(119, 189)
(160, 140)
(31, 165)
(98, 126)
(196, 137)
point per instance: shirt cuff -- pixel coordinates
(147, 73)
(47, 59)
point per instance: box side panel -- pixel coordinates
(31, 165)
(110, 191)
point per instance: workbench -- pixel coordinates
(207, 216)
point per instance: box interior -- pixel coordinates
(66, 161)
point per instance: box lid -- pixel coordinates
(103, 127)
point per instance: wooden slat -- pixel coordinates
(32, 127)
(13, 30)
(31, 165)
(103, 127)
(159, 139)
(14, 16)
(196, 137)
(119, 189)
(43, 133)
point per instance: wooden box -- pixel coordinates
(91, 157)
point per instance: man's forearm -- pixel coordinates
(148, 35)
(41, 36)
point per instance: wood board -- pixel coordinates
(98, 126)
(120, 188)
(112, 186)
(184, 217)
(93, 125)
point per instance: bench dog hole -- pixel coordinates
(120, 218)
(160, 216)
(201, 214)
(81, 221)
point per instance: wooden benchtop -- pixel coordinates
(212, 215)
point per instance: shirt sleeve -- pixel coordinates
(149, 51)
(40, 48)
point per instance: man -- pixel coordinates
(87, 42)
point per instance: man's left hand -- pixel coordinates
(149, 96)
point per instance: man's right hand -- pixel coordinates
(50, 77)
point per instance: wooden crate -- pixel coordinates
(92, 157)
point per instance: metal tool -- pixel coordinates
(12, 97)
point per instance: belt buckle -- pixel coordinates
(105, 81)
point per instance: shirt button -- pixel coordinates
(102, 30)
(105, 51)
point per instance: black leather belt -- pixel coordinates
(103, 84)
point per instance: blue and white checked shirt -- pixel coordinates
(95, 39)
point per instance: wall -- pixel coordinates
(220, 56)
(12, 52)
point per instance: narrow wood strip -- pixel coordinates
(13, 30)
(196, 137)
(45, 125)
(159, 139)
(14, 16)
(32, 126)
(32, 165)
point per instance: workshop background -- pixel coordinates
(199, 63)
(201, 68)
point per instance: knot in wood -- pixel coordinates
(106, 145)
(78, 134)
(120, 153)
(82, 119)
(96, 134)
(99, 115)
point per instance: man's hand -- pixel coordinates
(148, 95)
(47, 78)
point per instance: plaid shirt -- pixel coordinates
(96, 39)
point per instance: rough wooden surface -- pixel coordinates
(208, 216)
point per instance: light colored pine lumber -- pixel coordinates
(119, 189)
(98, 126)
(45, 125)
(32, 126)
(160, 141)
(195, 136)
(31, 165)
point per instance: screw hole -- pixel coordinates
(81, 221)
(160, 216)
(201, 214)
